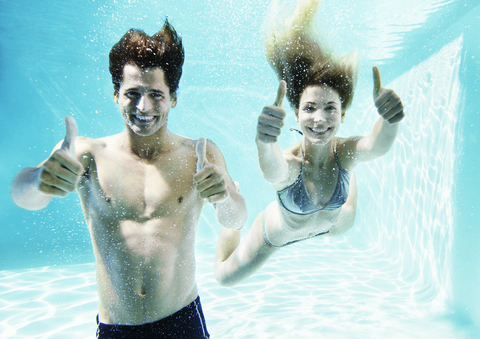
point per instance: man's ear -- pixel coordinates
(296, 114)
(343, 114)
(173, 100)
(115, 97)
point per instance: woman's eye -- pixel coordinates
(331, 109)
(309, 109)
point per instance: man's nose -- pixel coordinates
(144, 104)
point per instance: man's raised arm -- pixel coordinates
(214, 183)
(34, 187)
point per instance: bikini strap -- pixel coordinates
(336, 156)
(303, 159)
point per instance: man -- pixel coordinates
(142, 193)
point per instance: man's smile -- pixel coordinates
(144, 118)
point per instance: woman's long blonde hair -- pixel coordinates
(299, 56)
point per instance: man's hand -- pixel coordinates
(389, 104)
(270, 121)
(61, 172)
(210, 181)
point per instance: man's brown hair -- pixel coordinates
(163, 50)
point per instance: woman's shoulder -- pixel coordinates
(293, 157)
(340, 142)
(343, 148)
(294, 153)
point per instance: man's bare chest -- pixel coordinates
(140, 189)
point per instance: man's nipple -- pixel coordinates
(142, 292)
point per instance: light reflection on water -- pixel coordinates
(48, 302)
(388, 277)
(333, 299)
(300, 293)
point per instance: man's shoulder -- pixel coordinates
(190, 144)
(178, 143)
(88, 149)
(89, 145)
(187, 146)
(185, 142)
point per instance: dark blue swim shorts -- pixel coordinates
(188, 323)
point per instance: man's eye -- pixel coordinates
(331, 109)
(132, 95)
(156, 95)
(309, 109)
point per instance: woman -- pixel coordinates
(316, 190)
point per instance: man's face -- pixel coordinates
(144, 99)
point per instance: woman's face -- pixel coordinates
(319, 114)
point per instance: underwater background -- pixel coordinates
(410, 267)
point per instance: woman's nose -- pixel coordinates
(319, 116)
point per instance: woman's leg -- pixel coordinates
(235, 260)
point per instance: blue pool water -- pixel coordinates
(410, 268)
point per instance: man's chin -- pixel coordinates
(142, 128)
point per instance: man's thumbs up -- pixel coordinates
(61, 171)
(201, 150)
(69, 141)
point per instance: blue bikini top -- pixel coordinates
(296, 200)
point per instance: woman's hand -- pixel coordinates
(388, 103)
(270, 121)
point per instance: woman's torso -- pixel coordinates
(310, 201)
